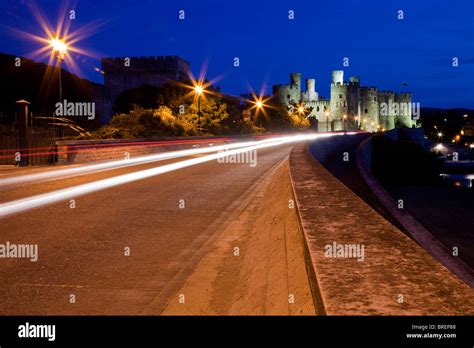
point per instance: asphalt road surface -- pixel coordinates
(83, 265)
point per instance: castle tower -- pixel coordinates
(353, 97)
(338, 77)
(387, 110)
(369, 109)
(282, 93)
(153, 71)
(338, 103)
(404, 117)
(310, 95)
(295, 80)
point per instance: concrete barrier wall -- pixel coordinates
(396, 277)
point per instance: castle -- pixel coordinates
(350, 107)
(124, 73)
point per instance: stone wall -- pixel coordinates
(88, 151)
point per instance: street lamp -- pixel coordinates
(327, 120)
(199, 90)
(259, 107)
(59, 47)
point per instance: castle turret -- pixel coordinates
(310, 95)
(353, 97)
(354, 79)
(338, 77)
(369, 115)
(295, 79)
(338, 99)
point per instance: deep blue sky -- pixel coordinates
(383, 50)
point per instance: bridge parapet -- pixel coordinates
(395, 276)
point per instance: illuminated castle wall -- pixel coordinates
(365, 108)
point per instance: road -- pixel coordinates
(84, 266)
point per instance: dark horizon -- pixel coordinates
(382, 50)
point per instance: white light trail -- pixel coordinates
(94, 168)
(25, 204)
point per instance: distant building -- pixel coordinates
(124, 73)
(364, 108)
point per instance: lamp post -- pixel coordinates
(199, 90)
(59, 47)
(259, 106)
(327, 120)
(344, 118)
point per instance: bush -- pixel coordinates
(146, 123)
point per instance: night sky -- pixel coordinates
(382, 50)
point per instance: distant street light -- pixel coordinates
(198, 89)
(259, 107)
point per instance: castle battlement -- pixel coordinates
(368, 89)
(385, 93)
(143, 58)
(404, 94)
(165, 63)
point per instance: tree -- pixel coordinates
(213, 115)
